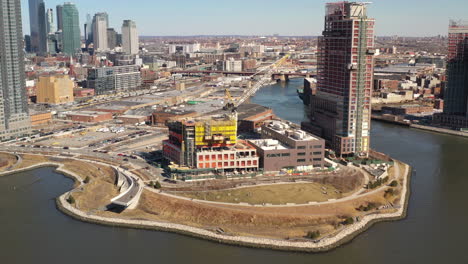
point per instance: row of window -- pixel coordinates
(304, 160)
(226, 164)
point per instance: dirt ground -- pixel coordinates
(298, 193)
(6, 160)
(272, 222)
(97, 193)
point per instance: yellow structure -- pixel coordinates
(216, 131)
(54, 90)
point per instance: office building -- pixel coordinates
(111, 38)
(37, 22)
(341, 108)
(129, 37)
(283, 147)
(111, 79)
(233, 65)
(88, 30)
(55, 90)
(71, 37)
(50, 26)
(456, 93)
(59, 11)
(14, 114)
(100, 25)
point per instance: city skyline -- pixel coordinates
(260, 17)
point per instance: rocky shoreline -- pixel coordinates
(325, 244)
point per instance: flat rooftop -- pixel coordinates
(248, 110)
(268, 144)
(290, 132)
(87, 113)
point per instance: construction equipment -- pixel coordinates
(231, 105)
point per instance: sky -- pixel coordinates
(263, 17)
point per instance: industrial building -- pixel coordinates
(284, 147)
(89, 116)
(252, 117)
(55, 90)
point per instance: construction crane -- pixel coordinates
(232, 106)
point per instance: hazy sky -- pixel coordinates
(263, 17)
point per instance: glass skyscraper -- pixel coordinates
(71, 29)
(14, 115)
(37, 22)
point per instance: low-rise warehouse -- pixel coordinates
(89, 116)
(252, 116)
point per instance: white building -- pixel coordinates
(100, 32)
(184, 48)
(130, 43)
(232, 65)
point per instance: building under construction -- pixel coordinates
(208, 145)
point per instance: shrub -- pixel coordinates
(71, 200)
(348, 221)
(313, 234)
(394, 184)
(151, 184)
(87, 179)
(157, 185)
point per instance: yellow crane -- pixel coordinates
(230, 105)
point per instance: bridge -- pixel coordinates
(277, 75)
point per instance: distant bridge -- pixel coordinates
(275, 75)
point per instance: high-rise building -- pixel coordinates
(59, 17)
(14, 114)
(111, 38)
(100, 25)
(341, 108)
(456, 93)
(50, 26)
(37, 22)
(71, 37)
(88, 30)
(130, 37)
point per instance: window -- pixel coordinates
(317, 159)
(301, 147)
(301, 160)
(275, 155)
(285, 155)
(317, 146)
(317, 153)
(301, 154)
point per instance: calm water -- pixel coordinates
(33, 231)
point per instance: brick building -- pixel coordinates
(284, 147)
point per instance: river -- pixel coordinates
(33, 231)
